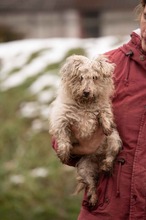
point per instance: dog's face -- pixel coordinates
(86, 80)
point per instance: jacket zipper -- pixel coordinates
(121, 162)
(129, 55)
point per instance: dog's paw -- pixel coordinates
(107, 165)
(93, 199)
(63, 152)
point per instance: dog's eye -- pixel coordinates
(95, 78)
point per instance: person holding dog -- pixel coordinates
(122, 195)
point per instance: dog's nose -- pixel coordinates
(86, 93)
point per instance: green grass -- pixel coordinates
(79, 51)
(35, 55)
(22, 151)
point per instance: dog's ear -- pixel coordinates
(72, 64)
(105, 66)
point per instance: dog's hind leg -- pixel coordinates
(87, 176)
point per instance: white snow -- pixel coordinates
(44, 80)
(15, 70)
(15, 54)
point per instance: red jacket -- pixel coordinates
(122, 196)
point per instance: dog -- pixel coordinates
(84, 102)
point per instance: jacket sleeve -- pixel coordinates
(73, 158)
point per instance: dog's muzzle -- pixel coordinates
(87, 97)
(86, 94)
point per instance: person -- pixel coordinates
(122, 195)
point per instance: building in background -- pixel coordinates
(67, 18)
(102, 17)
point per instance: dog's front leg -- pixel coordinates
(64, 142)
(106, 120)
(114, 145)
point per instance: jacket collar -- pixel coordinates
(133, 49)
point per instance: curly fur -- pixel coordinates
(84, 101)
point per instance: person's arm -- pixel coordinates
(90, 145)
(73, 157)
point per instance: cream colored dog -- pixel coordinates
(84, 102)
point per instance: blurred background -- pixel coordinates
(35, 38)
(65, 18)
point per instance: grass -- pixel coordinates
(35, 55)
(35, 198)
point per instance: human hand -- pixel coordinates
(90, 145)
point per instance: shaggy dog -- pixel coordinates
(84, 102)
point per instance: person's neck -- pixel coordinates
(137, 31)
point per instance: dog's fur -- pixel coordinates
(84, 102)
